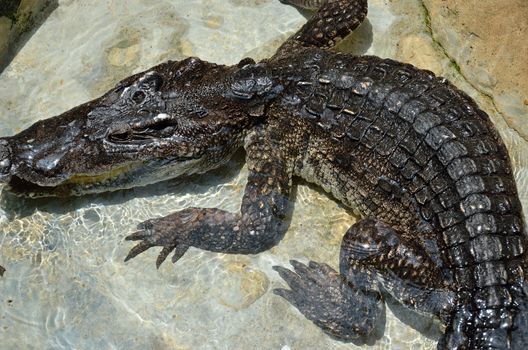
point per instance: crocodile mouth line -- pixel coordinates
(161, 126)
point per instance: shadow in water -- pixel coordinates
(376, 334)
(359, 41)
(23, 24)
(425, 324)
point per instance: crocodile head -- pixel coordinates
(168, 121)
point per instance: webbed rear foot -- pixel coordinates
(375, 261)
(324, 296)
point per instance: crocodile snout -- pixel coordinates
(5, 161)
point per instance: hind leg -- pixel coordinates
(325, 297)
(374, 259)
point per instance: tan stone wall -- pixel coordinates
(486, 42)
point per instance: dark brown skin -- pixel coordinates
(442, 231)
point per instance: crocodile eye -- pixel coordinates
(138, 96)
(152, 82)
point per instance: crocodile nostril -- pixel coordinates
(5, 158)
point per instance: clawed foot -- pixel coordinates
(172, 232)
(307, 283)
(323, 296)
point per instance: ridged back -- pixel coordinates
(412, 141)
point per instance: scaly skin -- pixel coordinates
(442, 230)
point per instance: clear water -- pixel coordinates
(67, 286)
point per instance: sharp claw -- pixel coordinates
(136, 236)
(155, 232)
(138, 249)
(178, 252)
(300, 268)
(290, 277)
(163, 255)
(281, 270)
(294, 262)
(128, 257)
(313, 265)
(285, 293)
(290, 296)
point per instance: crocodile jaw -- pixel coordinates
(152, 126)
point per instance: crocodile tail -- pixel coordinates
(334, 20)
(500, 323)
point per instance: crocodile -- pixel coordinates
(441, 228)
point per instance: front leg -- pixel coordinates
(259, 225)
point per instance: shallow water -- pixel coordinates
(66, 285)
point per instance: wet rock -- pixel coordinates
(487, 40)
(246, 284)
